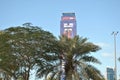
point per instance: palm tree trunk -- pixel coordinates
(69, 74)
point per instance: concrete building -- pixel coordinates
(110, 73)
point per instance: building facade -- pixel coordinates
(68, 25)
(110, 73)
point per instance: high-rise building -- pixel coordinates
(68, 25)
(67, 28)
(110, 73)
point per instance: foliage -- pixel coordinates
(27, 47)
(77, 56)
(22, 47)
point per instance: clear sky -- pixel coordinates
(96, 20)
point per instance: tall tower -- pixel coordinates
(68, 25)
(67, 28)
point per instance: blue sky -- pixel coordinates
(96, 20)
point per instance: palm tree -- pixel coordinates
(76, 53)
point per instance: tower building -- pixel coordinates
(67, 28)
(110, 73)
(68, 25)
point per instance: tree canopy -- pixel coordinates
(76, 54)
(25, 48)
(22, 47)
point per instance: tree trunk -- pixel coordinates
(69, 74)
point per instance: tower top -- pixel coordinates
(68, 14)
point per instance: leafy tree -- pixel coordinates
(22, 47)
(5, 58)
(25, 48)
(76, 53)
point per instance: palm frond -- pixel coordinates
(90, 59)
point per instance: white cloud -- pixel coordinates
(101, 44)
(105, 54)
